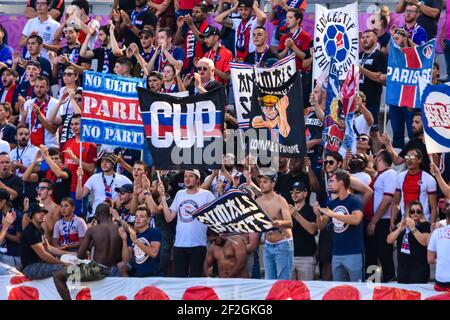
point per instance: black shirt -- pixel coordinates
(375, 61)
(428, 23)
(209, 86)
(314, 129)
(418, 252)
(304, 242)
(99, 55)
(8, 133)
(383, 40)
(416, 143)
(145, 17)
(55, 4)
(14, 182)
(61, 186)
(30, 236)
(268, 60)
(285, 182)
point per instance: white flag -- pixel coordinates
(335, 36)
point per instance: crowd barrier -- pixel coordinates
(19, 288)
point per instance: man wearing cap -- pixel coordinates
(194, 45)
(103, 54)
(220, 55)
(304, 230)
(39, 259)
(123, 202)
(102, 185)
(278, 247)
(9, 84)
(189, 251)
(244, 26)
(34, 47)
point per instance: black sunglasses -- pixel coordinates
(202, 69)
(417, 211)
(330, 162)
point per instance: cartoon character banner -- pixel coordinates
(405, 67)
(436, 117)
(277, 117)
(184, 132)
(110, 110)
(243, 76)
(335, 37)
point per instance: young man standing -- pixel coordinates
(279, 246)
(263, 56)
(348, 243)
(189, 250)
(141, 248)
(103, 54)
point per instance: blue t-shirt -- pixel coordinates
(142, 264)
(160, 62)
(6, 54)
(347, 239)
(418, 34)
(9, 247)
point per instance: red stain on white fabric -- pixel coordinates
(23, 293)
(151, 293)
(289, 290)
(84, 294)
(342, 293)
(388, 293)
(200, 293)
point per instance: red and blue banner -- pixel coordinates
(405, 67)
(436, 117)
(111, 113)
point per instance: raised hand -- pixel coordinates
(123, 234)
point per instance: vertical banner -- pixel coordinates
(335, 37)
(111, 110)
(184, 132)
(243, 77)
(277, 117)
(348, 93)
(436, 117)
(405, 67)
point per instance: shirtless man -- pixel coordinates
(45, 192)
(279, 247)
(104, 238)
(230, 254)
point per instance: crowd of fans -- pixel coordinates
(61, 196)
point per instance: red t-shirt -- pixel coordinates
(89, 155)
(302, 40)
(411, 188)
(187, 4)
(222, 59)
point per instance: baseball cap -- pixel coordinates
(148, 31)
(111, 157)
(37, 64)
(245, 3)
(37, 207)
(299, 186)
(14, 73)
(128, 188)
(194, 171)
(4, 195)
(210, 31)
(272, 177)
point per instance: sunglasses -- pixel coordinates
(415, 211)
(410, 157)
(362, 139)
(144, 37)
(68, 74)
(202, 69)
(330, 162)
(42, 188)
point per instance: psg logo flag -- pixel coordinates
(405, 67)
(335, 37)
(184, 132)
(436, 117)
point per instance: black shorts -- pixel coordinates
(326, 245)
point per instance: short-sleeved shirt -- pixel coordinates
(347, 239)
(189, 231)
(9, 247)
(304, 242)
(24, 155)
(384, 185)
(106, 60)
(417, 33)
(222, 59)
(302, 40)
(375, 61)
(69, 232)
(46, 30)
(14, 182)
(140, 19)
(440, 243)
(30, 236)
(416, 187)
(61, 186)
(142, 264)
(417, 143)
(55, 4)
(428, 23)
(161, 61)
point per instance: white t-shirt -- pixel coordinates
(50, 139)
(384, 185)
(189, 231)
(440, 243)
(68, 232)
(24, 155)
(97, 188)
(252, 24)
(4, 146)
(363, 177)
(46, 30)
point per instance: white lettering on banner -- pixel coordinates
(336, 17)
(194, 127)
(408, 77)
(110, 84)
(111, 109)
(113, 134)
(438, 115)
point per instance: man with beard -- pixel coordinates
(123, 202)
(203, 81)
(140, 251)
(279, 246)
(9, 85)
(416, 32)
(373, 64)
(103, 54)
(34, 46)
(244, 26)
(7, 130)
(230, 254)
(194, 45)
(68, 56)
(35, 114)
(25, 153)
(413, 184)
(416, 142)
(263, 56)
(9, 181)
(189, 250)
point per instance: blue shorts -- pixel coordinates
(41, 270)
